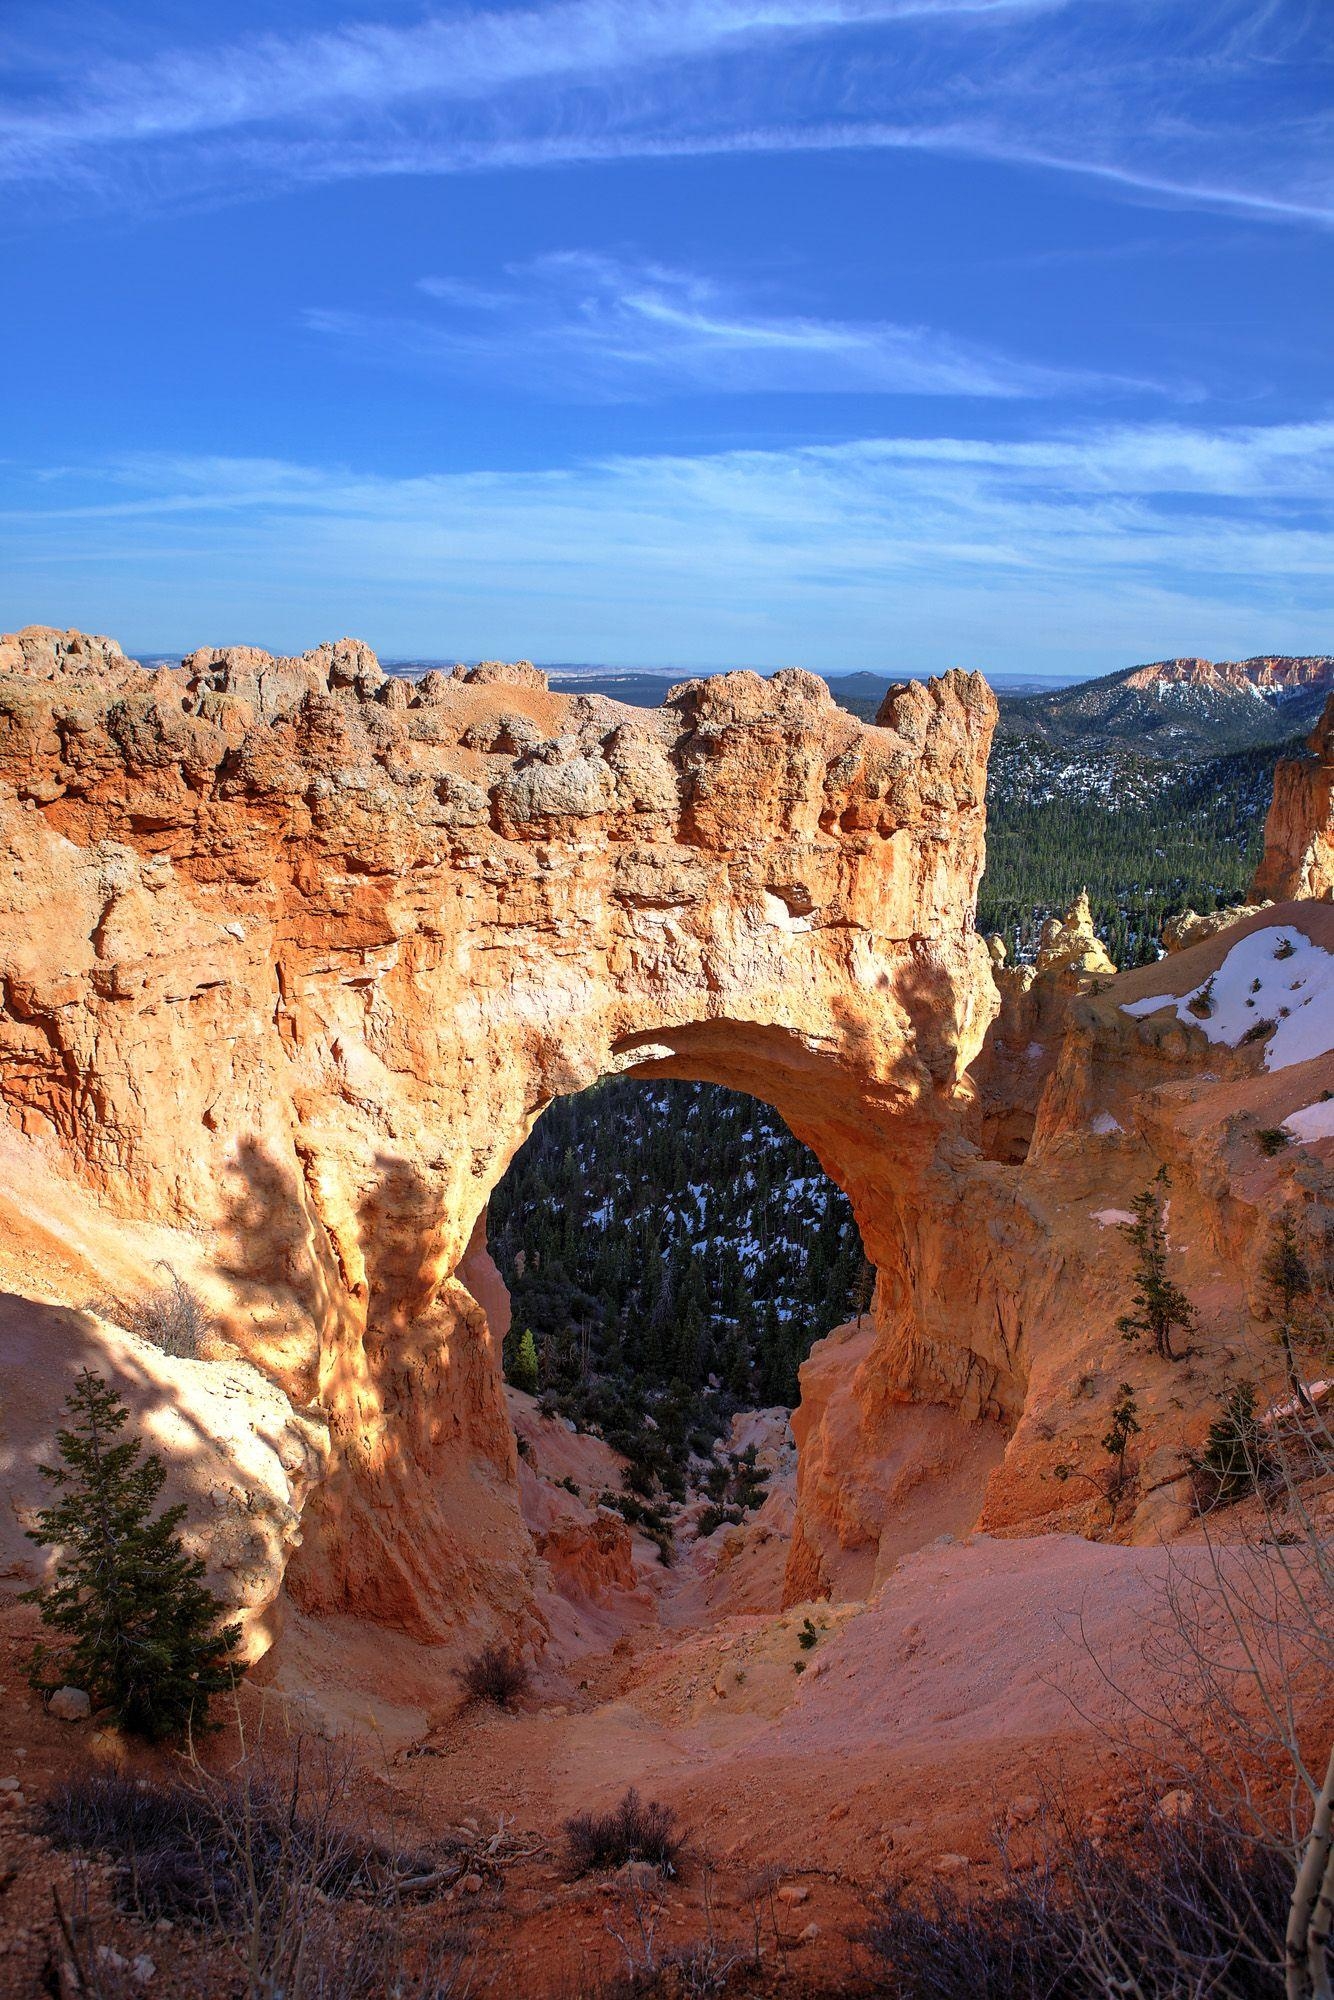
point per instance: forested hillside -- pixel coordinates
(1177, 710)
(1147, 838)
(673, 1250)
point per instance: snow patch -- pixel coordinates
(1313, 1121)
(1276, 974)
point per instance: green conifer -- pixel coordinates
(523, 1363)
(1236, 1455)
(1162, 1305)
(1125, 1424)
(141, 1629)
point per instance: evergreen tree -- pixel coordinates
(1124, 1425)
(1162, 1305)
(523, 1363)
(140, 1625)
(862, 1289)
(1236, 1452)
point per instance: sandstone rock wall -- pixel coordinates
(1298, 860)
(297, 953)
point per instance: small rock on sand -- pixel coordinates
(69, 1705)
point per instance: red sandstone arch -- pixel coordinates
(300, 953)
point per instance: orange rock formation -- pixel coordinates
(297, 952)
(1299, 832)
(294, 954)
(1270, 673)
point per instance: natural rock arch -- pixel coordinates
(299, 952)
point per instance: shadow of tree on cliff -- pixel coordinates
(282, 1262)
(427, 1346)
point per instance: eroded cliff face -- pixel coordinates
(1089, 1083)
(295, 953)
(1269, 673)
(1299, 833)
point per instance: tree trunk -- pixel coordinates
(1311, 1913)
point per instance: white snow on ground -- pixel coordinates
(1104, 1125)
(1108, 1218)
(1313, 1121)
(1276, 975)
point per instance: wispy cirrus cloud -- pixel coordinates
(448, 56)
(1156, 103)
(583, 326)
(1183, 538)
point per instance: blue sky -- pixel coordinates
(852, 333)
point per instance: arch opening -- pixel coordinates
(671, 1253)
(896, 1445)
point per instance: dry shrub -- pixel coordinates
(183, 1847)
(634, 1830)
(173, 1318)
(274, 1864)
(1177, 1906)
(497, 1674)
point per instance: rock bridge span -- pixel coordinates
(296, 952)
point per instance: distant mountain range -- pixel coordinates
(1176, 710)
(862, 692)
(1169, 710)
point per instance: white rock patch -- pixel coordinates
(1276, 974)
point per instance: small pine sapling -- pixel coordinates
(141, 1629)
(1124, 1425)
(1201, 1004)
(1161, 1304)
(523, 1363)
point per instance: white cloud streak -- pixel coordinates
(586, 327)
(459, 57)
(1071, 87)
(1152, 537)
